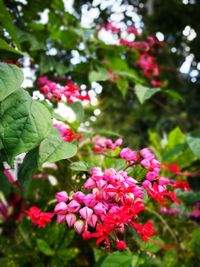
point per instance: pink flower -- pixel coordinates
(61, 208)
(89, 200)
(70, 219)
(100, 209)
(128, 154)
(89, 184)
(78, 196)
(62, 196)
(151, 176)
(93, 220)
(164, 181)
(79, 226)
(60, 219)
(86, 213)
(73, 206)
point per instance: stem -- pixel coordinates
(108, 156)
(165, 223)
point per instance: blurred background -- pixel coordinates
(88, 42)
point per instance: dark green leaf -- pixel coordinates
(44, 247)
(67, 254)
(28, 167)
(4, 184)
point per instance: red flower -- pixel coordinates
(145, 230)
(121, 245)
(184, 186)
(174, 168)
(38, 217)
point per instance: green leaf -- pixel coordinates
(67, 254)
(11, 78)
(176, 136)
(194, 144)
(122, 85)
(143, 93)
(174, 94)
(150, 246)
(118, 259)
(78, 110)
(44, 247)
(136, 261)
(128, 73)
(4, 184)
(24, 123)
(6, 47)
(188, 197)
(79, 166)
(28, 166)
(54, 148)
(100, 75)
(6, 21)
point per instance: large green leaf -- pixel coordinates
(54, 148)
(11, 78)
(117, 259)
(24, 123)
(194, 144)
(6, 21)
(143, 93)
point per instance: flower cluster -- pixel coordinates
(112, 201)
(155, 185)
(67, 134)
(38, 217)
(103, 144)
(147, 62)
(55, 92)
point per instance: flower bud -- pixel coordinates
(60, 219)
(61, 208)
(62, 196)
(93, 220)
(70, 219)
(73, 206)
(79, 226)
(86, 213)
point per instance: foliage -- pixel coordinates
(83, 97)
